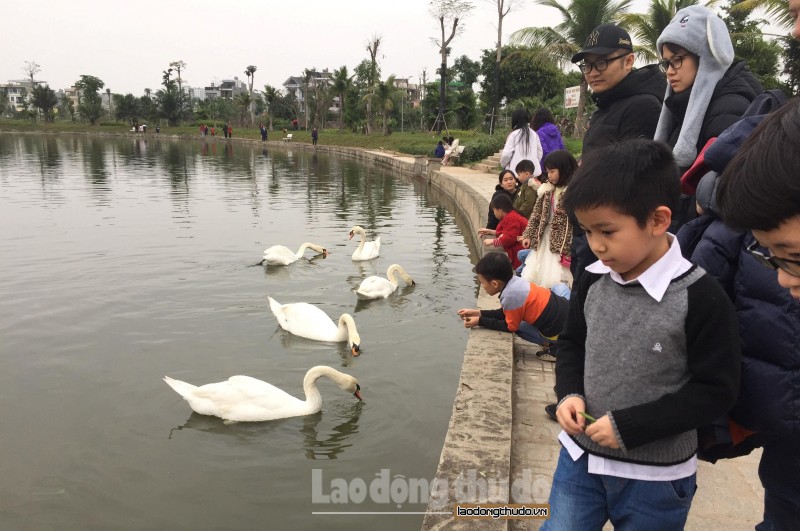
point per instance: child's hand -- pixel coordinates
(568, 417)
(526, 243)
(471, 321)
(488, 242)
(484, 232)
(469, 312)
(602, 433)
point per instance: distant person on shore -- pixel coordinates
(522, 143)
(508, 230)
(650, 351)
(314, 136)
(439, 151)
(548, 133)
(158, 128)
(225, 130)
(230, 131)
(534, 313)
(213, 130)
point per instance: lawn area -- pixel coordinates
(478, 145)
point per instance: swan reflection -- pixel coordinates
(326, 434)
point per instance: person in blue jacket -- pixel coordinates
(759, 192)
(439, 151)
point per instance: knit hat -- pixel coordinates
(700, 31)
(603, 40)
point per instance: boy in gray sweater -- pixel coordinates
(650, 351)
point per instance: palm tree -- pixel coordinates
(647, 27)
(250, 72)
(774, 10)
(561, 42)
(308, 75)
(383, 95)
(243, 101)
(271, 95)
(341, 84)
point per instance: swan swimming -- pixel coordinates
(366, 250)
(246, 399)
(282, 255)
(376, 287)
(306, 320)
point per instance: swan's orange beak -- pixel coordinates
(355, 350)
(357, 394)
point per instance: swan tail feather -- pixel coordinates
(182, 388)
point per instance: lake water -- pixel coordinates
(123, 260)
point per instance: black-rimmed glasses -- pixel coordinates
(600, 64)
(676, 61)
(789, 266)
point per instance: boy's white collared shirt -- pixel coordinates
(655, 280)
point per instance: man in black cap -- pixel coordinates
(628, 101)
(628, 106)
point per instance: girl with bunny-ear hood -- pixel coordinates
(706, 90)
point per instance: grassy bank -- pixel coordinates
(478, 145)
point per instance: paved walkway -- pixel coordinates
(729, 493)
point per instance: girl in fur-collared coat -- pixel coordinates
(549, 231)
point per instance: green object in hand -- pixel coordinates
(587, 416)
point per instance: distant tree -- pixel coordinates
(44, 98)
(178, 66)
(524, 72)
(762, 56)
(127, 108)
(91, 107)
(32, 68)
(243, 103)
(271, 97)
(3, 100)
(168, 100)
(504, 7)
(447, 12)
(647, 27)
(110, 109)
(373, 73)
(250, 72)
(383, 98)
(791, 69)
(342, 82)
(66, 107)
(466, 70)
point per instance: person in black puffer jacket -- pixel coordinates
(768, 314)
(707, 92)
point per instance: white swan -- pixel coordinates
(366, 250)
(306, 320)
(281, 255)
(246, 399)
(377, 287)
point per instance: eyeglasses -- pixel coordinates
(676, 61)
(789, 266)
(599, 65)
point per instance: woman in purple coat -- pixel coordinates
(549, 135)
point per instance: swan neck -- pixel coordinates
(347, 326)
(313, 397)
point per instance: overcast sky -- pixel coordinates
(129, 44)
